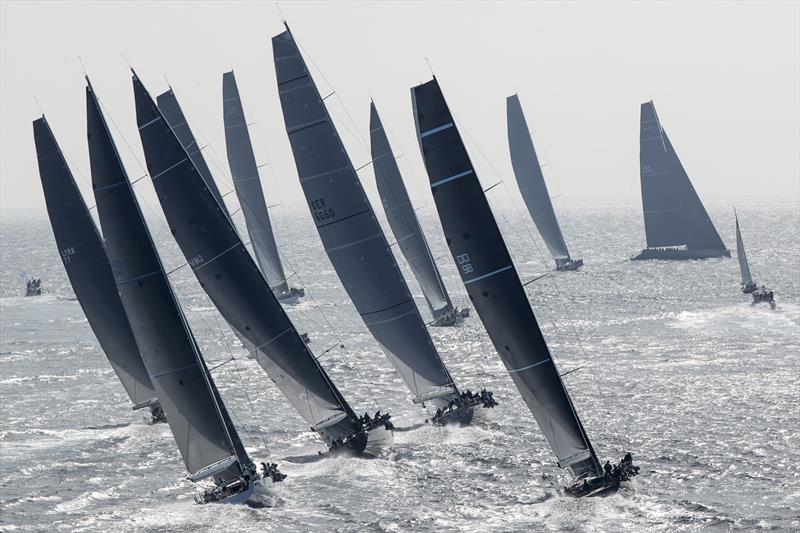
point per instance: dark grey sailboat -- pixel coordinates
(230, 277)
(676, 222)
(203, 430)
(247, 183)
(81, 249)
(530, 180)
(761, 294)
(406, 228)
(356, 244)
(496, 292)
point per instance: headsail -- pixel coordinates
(744, 268)
(247, 183)
(492, 282)
(230, 277)
(197, 417)
(81, 249)
(403, 220)
(351, 234)
(530, 179)
(673, 213)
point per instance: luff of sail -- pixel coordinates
(247, 183)
(81, 249)
(744, 267)
(677, 225)
(403, 220)
(350, 232)
(230, 277)
(196, 415)
(492, 283)
(530, 180)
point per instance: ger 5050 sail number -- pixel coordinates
(320, 211)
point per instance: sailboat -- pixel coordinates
(247, 183)
(200, 423)
(406, 228)
(530, 180)
(230, 277)
(675, 221)
(356, 245)
(494, 287)
(761, 294)
(84, 257)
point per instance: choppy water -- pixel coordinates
(683, 372)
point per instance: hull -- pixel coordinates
(379, 441)
(291, 297)
(571, 265)
(462, 417)
(679, 254)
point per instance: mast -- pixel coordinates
(351, 234)
(206, 437)
(247, 183)
(530, 180)
(81, 249)
(230, 277)
(492, 282)
(403, 220)
(744, 267)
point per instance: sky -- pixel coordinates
(724, 76)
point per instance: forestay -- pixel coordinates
(196, 415)
(247, 183)
(81, 249)
(231, 279)
(492, 282)
(351, 234)
(744, 268)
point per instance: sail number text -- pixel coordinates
(320, 210)
(66, 253)
(463, 262)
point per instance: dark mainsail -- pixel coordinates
(84, 257)
(530, 180)
(171, 109)
(351, 234)
(492, 282)
(206, 437)
(230, 277)
(676, 222)
(403, 221)
(247, 183)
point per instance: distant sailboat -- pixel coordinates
(230, 277)
(206, 437)
(406, 228)
(760, 294)
(85, 261)
(495, 290)
(530, 180)
(247, 183)
(356, 245)
(676, 223)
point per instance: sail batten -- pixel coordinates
(492, 282)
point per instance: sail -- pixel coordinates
(351, 234)
(81, 249)
(403, 220)
(744, 268)
(492, 282)
(530, 180)
(195, 413)
(231, 279)
(247, 183)
(673, 213)
(169, 106)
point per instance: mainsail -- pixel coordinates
(403, 220)
(530, 180)
(351, 234)
(247, 183)
(171, 109)
(744, 268)
(674, 216)
(492, 282)
(81, 249)
(195, 412)
(230, 277)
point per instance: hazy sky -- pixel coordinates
(725, 78)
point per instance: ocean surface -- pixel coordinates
(677, 368)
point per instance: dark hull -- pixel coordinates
(462, 417)
(572, 264)
(675, 254)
